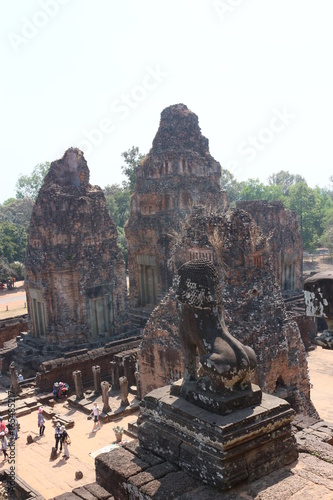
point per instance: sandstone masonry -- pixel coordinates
(75, 272)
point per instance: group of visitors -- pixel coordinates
(60, 434)
(61, 438)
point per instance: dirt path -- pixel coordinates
(13, 302)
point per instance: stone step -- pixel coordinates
(23, 411)
(132, 428)
(67, 422)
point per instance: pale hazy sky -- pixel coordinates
(96, 74)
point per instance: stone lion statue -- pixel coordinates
(225, 364)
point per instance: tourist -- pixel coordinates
(2, 425)
(41, 422)
(64, 437)
(95, 412)
(4, 445)
(58, 436)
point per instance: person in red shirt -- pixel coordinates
(2, 425)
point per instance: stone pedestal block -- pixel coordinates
(221, 405)
(220, 450)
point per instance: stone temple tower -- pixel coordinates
(75, 272)
(177, 173)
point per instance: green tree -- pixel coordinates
(28, 186)
(17, 211)
(7, 270)
(302, 199)
(231, 185)
(285, 180)
(327, 239)
(118, 200)
(13, 241)
(132, 158)
(253, 189)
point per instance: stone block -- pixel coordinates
(48, 412)
(66, 496)
(83, 493)
(170, 486)
(31, 402)
(67, 422)
(151, 474)
(113, 470)
(150, 458)
(98, 491)
(221, 405)
(22, 412)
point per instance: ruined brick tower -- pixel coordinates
(254, 310)
(280, 227)
(75, 272)
(177, 173)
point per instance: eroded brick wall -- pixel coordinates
(61, 369)
(11, 327)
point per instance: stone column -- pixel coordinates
(105, 387)
(124, 391)
(126, 361)
(77, 376)
(15, 387)
(114, 374)
(97, 378)
(38, 380)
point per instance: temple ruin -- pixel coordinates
(75, 272)
(280, 226)
(214, 425)
(177, 173)
(254, 309)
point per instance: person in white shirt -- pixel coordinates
(95, 412)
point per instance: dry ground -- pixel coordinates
(13, 302)
(54, 477)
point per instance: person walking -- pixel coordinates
(41, 422)
(64, 437)
(95, 412)
(4, 445)
(58, 436)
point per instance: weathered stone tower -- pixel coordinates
(280, 227)
(75, 272)
(177, 173)
(254, 310)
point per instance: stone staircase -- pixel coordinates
(139, 317)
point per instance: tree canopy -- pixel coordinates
(313, 206)
(132, 158)
(28, 186)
